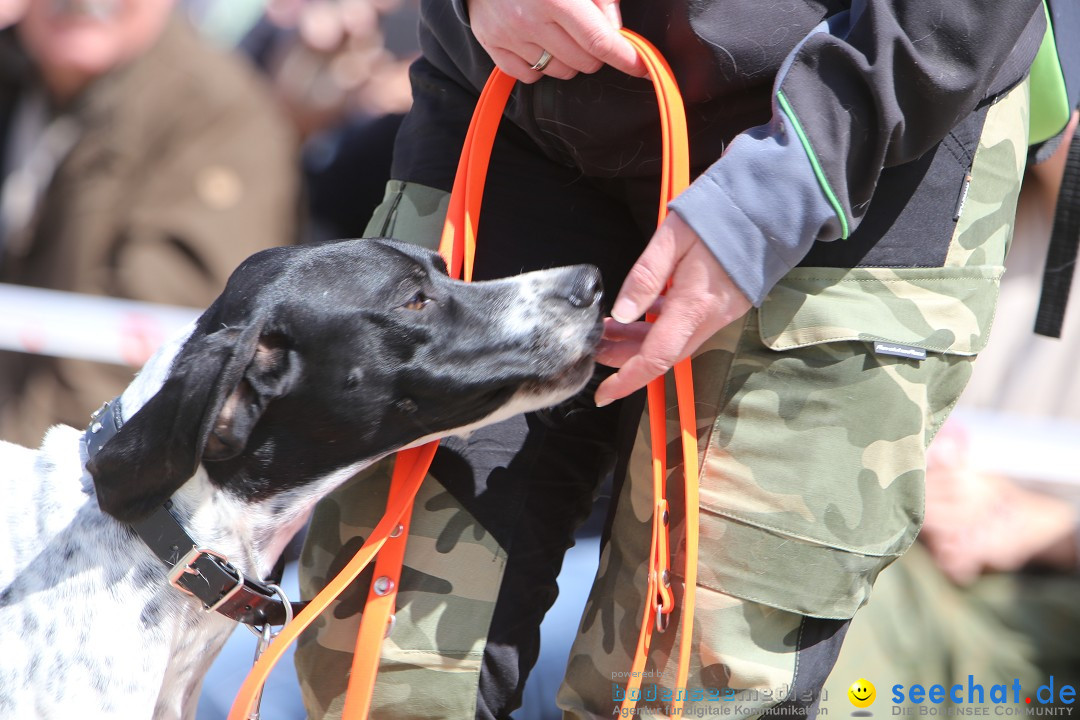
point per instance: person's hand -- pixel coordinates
(978, 522)
(10, 12)
(701, 300)
(581, 35)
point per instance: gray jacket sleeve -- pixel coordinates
(872, 87)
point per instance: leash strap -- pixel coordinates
(378, 617)
(660, 601)
(458, 247)
(407, 464)
(1064, 247)
(458, 242)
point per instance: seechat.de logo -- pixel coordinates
(1052, 698)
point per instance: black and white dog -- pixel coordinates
(314, 362)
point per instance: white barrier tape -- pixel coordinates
(86, 327)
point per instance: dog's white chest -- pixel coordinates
(87, 626)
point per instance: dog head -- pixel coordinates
(318, 358)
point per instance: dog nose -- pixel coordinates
(584, 286)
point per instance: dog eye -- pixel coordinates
(417, 302)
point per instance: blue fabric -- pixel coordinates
(759, 242)
(734, 206)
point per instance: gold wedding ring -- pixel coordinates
(542, 62)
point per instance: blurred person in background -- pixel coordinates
(340, 70)
(991, 588)
(135, 161)
(330, 61)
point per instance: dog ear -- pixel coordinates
(216, 390)
(270, 373)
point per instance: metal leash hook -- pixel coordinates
(266, 635)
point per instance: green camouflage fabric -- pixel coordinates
(447, 594)
(813, 456)
(988, 213)
(410, 212)
(921, 628)
(812, 469)
(452, 571)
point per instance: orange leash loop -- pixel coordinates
(458, 242)
(675, 177)
(677, 171)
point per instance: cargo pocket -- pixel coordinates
(813, 473)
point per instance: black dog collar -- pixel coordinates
(200, 572)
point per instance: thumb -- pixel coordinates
(649, 276)
(610, 8)
(647, 279)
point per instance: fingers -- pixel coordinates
(701, 300)
(593, 30)
(580, 35)
(683, 326)
(521, 69)
(564, 49)
(620, 342)
(610, 9)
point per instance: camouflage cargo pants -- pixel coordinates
(813, 421)
(922, 628)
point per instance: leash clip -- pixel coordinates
(665, 601)
(266, 635)
(260, 631)
(662, 618)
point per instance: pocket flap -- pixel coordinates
(945, 309)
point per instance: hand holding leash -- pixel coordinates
(528, 39)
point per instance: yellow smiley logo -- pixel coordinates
(862, 693)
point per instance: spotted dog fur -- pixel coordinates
(314, 362)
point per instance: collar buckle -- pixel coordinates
(206, 575)
(187, 566)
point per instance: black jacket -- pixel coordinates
(832, 99)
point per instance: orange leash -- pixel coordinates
(377, 618)
(675, 177)
(458, 247)
(408, 465)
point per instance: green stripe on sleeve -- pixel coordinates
(826, 188)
